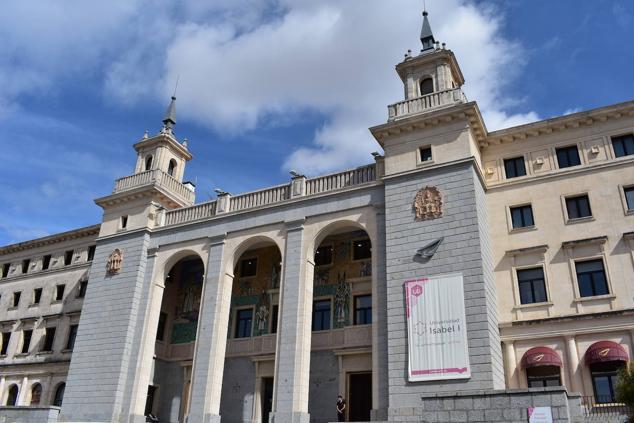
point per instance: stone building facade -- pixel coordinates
(264, 306)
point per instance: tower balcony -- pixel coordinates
(160, 180)
(426, 103)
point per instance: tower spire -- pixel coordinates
(426, 35)
(170, 116)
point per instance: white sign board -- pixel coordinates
(540, 415)
(436, 329)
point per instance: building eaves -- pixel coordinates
(51, 239)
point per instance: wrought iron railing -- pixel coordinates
(603, 406)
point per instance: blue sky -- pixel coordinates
(265, 85)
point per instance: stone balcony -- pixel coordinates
(425, 103)
(158, 178)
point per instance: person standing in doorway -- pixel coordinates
(341, 409)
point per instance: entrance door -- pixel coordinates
(359, 397)
(267, 398)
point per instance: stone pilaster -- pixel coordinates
(292, 361)
(211, 341)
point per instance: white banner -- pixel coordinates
(436, 329)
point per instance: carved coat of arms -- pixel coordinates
(115, 260)
(428, 204)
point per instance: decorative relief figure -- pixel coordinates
(275, 276)
(428, 204)
(321, 277)
(365, 269)
(342, 300)
(115, 261)
(262, 314)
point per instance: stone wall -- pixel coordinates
(323, 388)
(462, 224)
(238, 387)
(509, 406)
(29, 414)
(168, 376)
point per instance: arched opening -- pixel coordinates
(426, 86)
(605, 359)
(58, 399)
(171, 168)
(12, 397)
(342, 320)
(36, 394)
(253, 324)
(148, 162)
(168, 394)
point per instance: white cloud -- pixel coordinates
(244, 64)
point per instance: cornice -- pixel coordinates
(147, 191)
(163, 139)
(52, 239)
(468, 112)
(413, 62)
(587, 118)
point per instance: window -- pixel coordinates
(425, 154)
(59, 395)
(171, 168)
(6, 337)
(604, 379)
(623, 145)
(83, 285)
(522, 216)
(68, 257)
(629, 198)
(37, 295)
(543, 376)
(12, 398)
(321, 315)
(91, 252)
(72, 334)
(515, 167)
(5, 269)
(148, 163)
(323, 255)
(248, 268)
(124, 222)
(274, 316)
(591, 278)
(160, 331)
(361, 249)
(26, 340)
(49, 339)
(36, 394)
(578, 207)
(568, 156)
(531, 286)
(46, 262)
(363, 309)
(25, 265)
(59, 292)
(244, 318)
(16, 298)
(426, 86)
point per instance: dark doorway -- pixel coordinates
(267, 398)
(359, 397)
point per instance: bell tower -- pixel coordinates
(138, 200)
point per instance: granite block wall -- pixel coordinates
(168, 376)
(238, 388)
(324, 387)
(465, 249)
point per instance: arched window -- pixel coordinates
(148, 162)
(12, 399)
(171, 168)
(36, 393)
(426, 86)
(59, 394)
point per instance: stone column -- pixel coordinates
(23, 392)
(292, 360)
(3, 382)
(379, 320)
(211, 340)
(511, 365)
(573, 364)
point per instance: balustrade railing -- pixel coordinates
(340, 180)
(426, 102)
(260, 198)
(603, 406)
(157, 176)
(273, 195)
